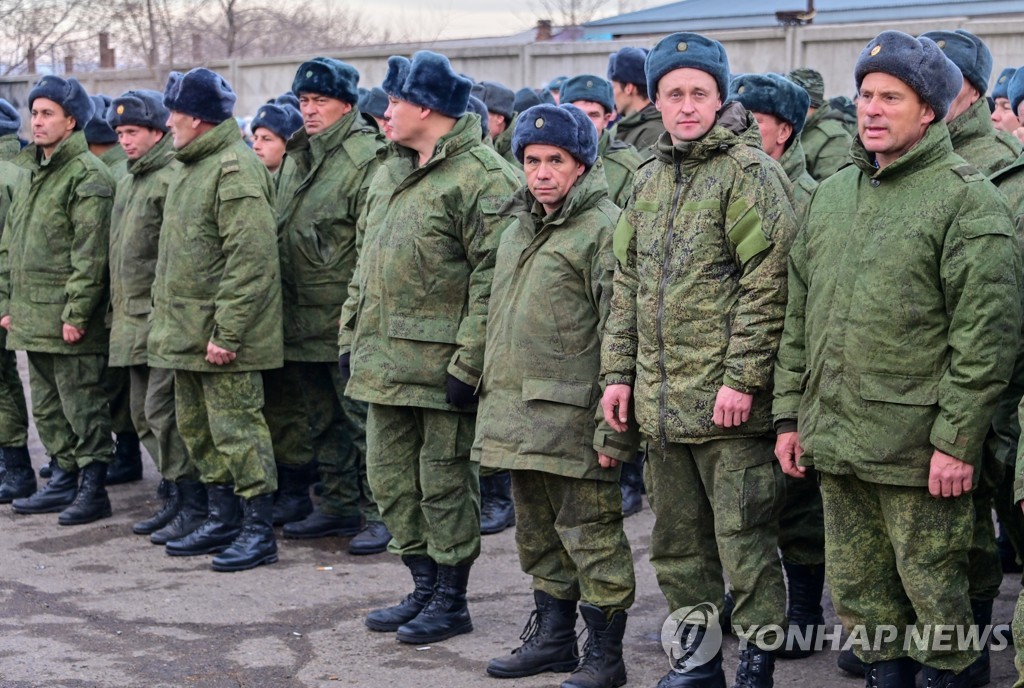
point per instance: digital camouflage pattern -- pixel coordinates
(679, 331)
(640, 129)
(801, 183)
(826, 142)
(13, 409)
(283, 183)
(570, 539)
(116, 161)
(976, 140)
(417, 308)
(540, 391)
(217, 276)
(503, 147)
(620, 161)
(878, 385)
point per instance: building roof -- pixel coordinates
(709, 15)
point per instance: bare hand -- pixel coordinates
(788, 451)
(732, 408)
(218, 356)
(72, 334)
(606, 461)
(615, 404)
(5, 322)
(949, 476)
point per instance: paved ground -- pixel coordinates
(95, 606)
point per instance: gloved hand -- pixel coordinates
(458, 393)
(344, 367)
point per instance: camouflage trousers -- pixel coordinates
(716, 507)
(1018, 640)
(802, 523)
(426, 486)
(310, 417)
(570, 539)
(13, 410)
(896, 556)
(155, 420)
(220, 418)
(70, 407)
(118, 384)
(985, 568)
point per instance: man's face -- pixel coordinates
(596, 113)
(496, 124)
(550, 173)
(967, 97)
(775, 133)
(891, 117)
(319, 112)
(184, 129)
(404, 119)
(620, 96)
(50, 124)
(1003, 117)
(268, 147)
(688, 101)
(137, 141)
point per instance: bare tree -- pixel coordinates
(571, 12)
(46, 31)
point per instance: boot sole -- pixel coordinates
(106, 513)
(338, 532)
(384, 627)
(55, 509)
(424, 640)
(215, 549)
(269, 559)
(616, 683)
(553, 668)
(362, 551)
(8, 500)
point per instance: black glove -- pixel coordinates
(458, 393)
(344, 367)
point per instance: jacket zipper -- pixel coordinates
(669, 235)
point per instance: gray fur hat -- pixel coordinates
(565, 126)
(627, 66)
(498, 98)
(685, 49)
(10, 119)
(429, 81)
(97, 131)
(588, 87)
(328, 77)
(200, 93)
(772, 94)
(282, 120)
(476, 105)
(1002, 82)
(69, 94)
(141, 107)
(968, 52)
(375, 102)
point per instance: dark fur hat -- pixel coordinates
(375, 102)
(200, 93)
(772, 94)
(328, 77)
(429, 81)
(286, 98)
(283, 120)
(968, 52)
(10, 119)
(476, 105)
(627, 66)
(685, 49)
(1015, 90)
(525, 98)
(498, 98)
(1002, 82)
(97, 130)
(142, 107)
(565, 126)
(588, 87)
(69, 94)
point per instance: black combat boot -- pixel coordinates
(979, 673)
(756, 669)
(549, 641)
(190, 515)
(804, 585)
(686, 672)
(446, 614)
(19, 479)
(127, 464)
(894, 673)
(163, 515)
(943, 678)
(424, 575)
(46, 470)
(320, 525)
(222, 525)
(256, 544)
(292, 502)
(373, 539)
(496, 509)
(58, 493)
(601, 664)
(850, 663)
(631, 482)
(92, 502)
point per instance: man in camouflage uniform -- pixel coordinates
(915, 386)
(54, 288)
(826, 142)
(539, 394)
(1003, 116)
(697, 310)
(17, 479)
(639, 122)
(217, 319)
(501, 115)
(413, 336)
(272, 126)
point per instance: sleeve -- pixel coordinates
(791, 363)
(87, 285)
(619, 340)
(349, 309)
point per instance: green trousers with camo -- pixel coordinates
(426, 486)
(897, 557)
(156, 422)
(13, 410)
(1018, 640)
(220, 418)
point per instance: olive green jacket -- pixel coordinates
(903, 316)
(116, 161)
(700, 287)
(620, 161)
(217, 275)
(640, 130)
(976, 140)
(318, 232)
(53, 255)
(801, 183)
(503, 146)
(283, 183)
(540, 391)
(11, 177)
(417, 308)
(134, 240)
(826, 143)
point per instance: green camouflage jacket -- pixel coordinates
(640, 129)
(53, 255)
(700, 287)
(11, 177)
(802, 184)
(826, 143)
(417, 307)
(540, 392)
(976, 140)
(503, 146)
(217, 275)
(318, 232)
(116, 161)
(903, 316)
(134, 238)
(283, 183)
(620, 164)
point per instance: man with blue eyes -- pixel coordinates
(697, 311)
(900, 335)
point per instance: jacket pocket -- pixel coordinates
(558, 418)
(47, 294)
(421, 329)
(139, 306)
(570, 392)
(908, 390)
(419, 349)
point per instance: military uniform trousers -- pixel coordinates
(716, 506)
(802, 523)
(427, 487)
(13, 410)
(118, 384)
(1017, 628)
(71, 409)
(985, 568)
(155, 421)
(220, 418)
(896, 556)
(570, 539)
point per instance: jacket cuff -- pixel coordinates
(619, 379)
(621, 446)
(733, 383)
(462, 371)
(783, 425)
(946, 438)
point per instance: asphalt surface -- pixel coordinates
(96, 606)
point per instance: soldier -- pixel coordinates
(217, 319)
(1015, 93)
(54, 288)
(477, 106)
(914, 387)
(696, 315)
(639, 122)
(1003, 116)
(375, 104)
(102, 139)
(412, 336)
(272, 126)
(826, 142)
(335, 155)
(501, 114)
(554, 87)
(17, 479)
(539, 394)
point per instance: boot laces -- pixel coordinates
(532, 627)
